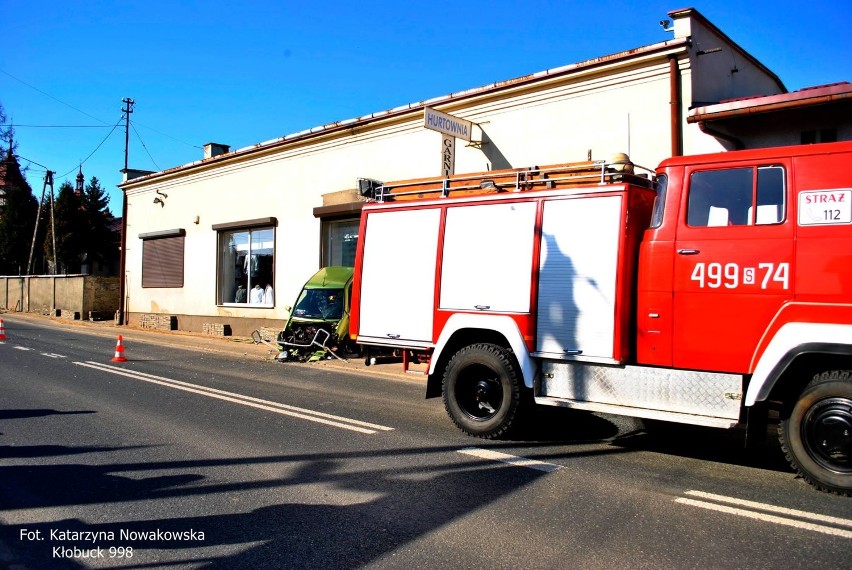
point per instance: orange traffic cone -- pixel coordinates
(2, 331)
(119, 351)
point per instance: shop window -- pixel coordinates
(162, 258)
(246, 265)
(340, 239)
(737, 197)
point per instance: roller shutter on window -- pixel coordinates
(162, 259)
(487, 260)
(577, 277)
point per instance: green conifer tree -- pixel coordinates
(17, 218)
(70, 226)
(100, 243)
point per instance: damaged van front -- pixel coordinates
(319, 320)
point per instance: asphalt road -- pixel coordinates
(199, 453)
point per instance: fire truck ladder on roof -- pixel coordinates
(618, 170)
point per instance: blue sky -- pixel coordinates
(241, 73)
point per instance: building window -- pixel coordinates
(162, 258)
(246, 265)
(737, 197)
(339, 240)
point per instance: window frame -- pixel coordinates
(249, 227)
(327, 252)
(695, 200)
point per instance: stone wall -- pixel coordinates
(81, 296)
(216, 329)
(241, 327)
(158, 322)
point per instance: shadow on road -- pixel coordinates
(396, 506)
(341, 509)
(36, 413)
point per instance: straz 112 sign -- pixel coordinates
(820, 207)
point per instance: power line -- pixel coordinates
(145, 147)
(167, 135)
(52, 97)
(62, 126)
(31, 161)
(105, 124)
(96, 148)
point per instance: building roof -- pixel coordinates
(749, 106)
(678, 44)
(11, 177)
(340, 126)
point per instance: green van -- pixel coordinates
(319, 320)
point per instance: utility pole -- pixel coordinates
(122, 261)
(53, 227)
(48, 181)
(128, 108)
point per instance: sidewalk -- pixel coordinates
(236, 346)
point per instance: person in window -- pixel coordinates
(334, 309)
(256, 295)
(240, 296)
(268, 296)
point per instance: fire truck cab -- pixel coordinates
(710, 293)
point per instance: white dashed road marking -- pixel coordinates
(769, 513)
(510, 459)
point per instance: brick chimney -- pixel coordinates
(215, 149)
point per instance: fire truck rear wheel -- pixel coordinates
(817, 436)
(482, 390)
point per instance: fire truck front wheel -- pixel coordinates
(817, 436)
(482, 390)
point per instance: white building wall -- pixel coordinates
(604, 112)
(721, 69)
(617, 104)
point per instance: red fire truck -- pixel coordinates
(715, 292)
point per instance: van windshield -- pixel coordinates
(324, 304)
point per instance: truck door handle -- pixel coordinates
(482, 307)
(394, 336)
(688, 251)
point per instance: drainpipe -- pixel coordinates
(675, 104)
(122, 263)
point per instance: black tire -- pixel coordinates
(482, 390)
(817, 436)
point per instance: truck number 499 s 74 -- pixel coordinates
(731, 275)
